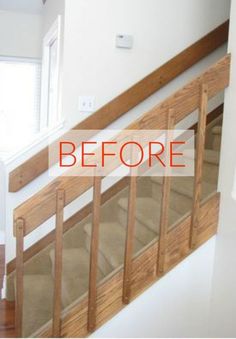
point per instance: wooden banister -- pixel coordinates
(85, 211)
(164, 218)
(92, 297)
(58, 194)
(38, 164)
(42, 205)
(56, 325)
(199, 164)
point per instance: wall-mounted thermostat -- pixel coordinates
(124, 41)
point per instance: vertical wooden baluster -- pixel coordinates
(200, 147)
(166, 186)
(130, 235)
(60, 203)
(92, 296)
(19, 231)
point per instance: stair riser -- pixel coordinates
(142, 233)
(178, 202)
(103, 264)
(216, 144)
(210, 171)
(69, 295)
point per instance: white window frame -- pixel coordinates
(49, 122)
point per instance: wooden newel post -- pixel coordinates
(60, 203)
(200, 147)
(19, 232)
(166, 187)
(92, 296)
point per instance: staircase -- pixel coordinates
(93, 264)
(39, 272)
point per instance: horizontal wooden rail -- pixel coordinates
(38, 164)
(42, 205)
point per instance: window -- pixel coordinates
(20, 83)
(50, 115)
(29, 95)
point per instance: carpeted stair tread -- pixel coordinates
(148, 212)
(112, 242)
(75, 273)
(210, 156)
(217, 130)
(38, 302)
(184, 186)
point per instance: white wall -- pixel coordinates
(20, 34)
(161, 29)
(175, 307)
(223, 308)
(51, 10)
(3, 200)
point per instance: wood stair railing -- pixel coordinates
(38, 164)
(52, 199)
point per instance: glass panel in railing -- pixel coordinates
(148, 209)
(211, 158)
(75, 270)
(38, 291)
(113, 225)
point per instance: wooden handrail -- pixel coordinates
(42, 206)
(38, 164)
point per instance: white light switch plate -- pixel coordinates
(86, 103)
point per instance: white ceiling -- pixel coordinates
(25, 6)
